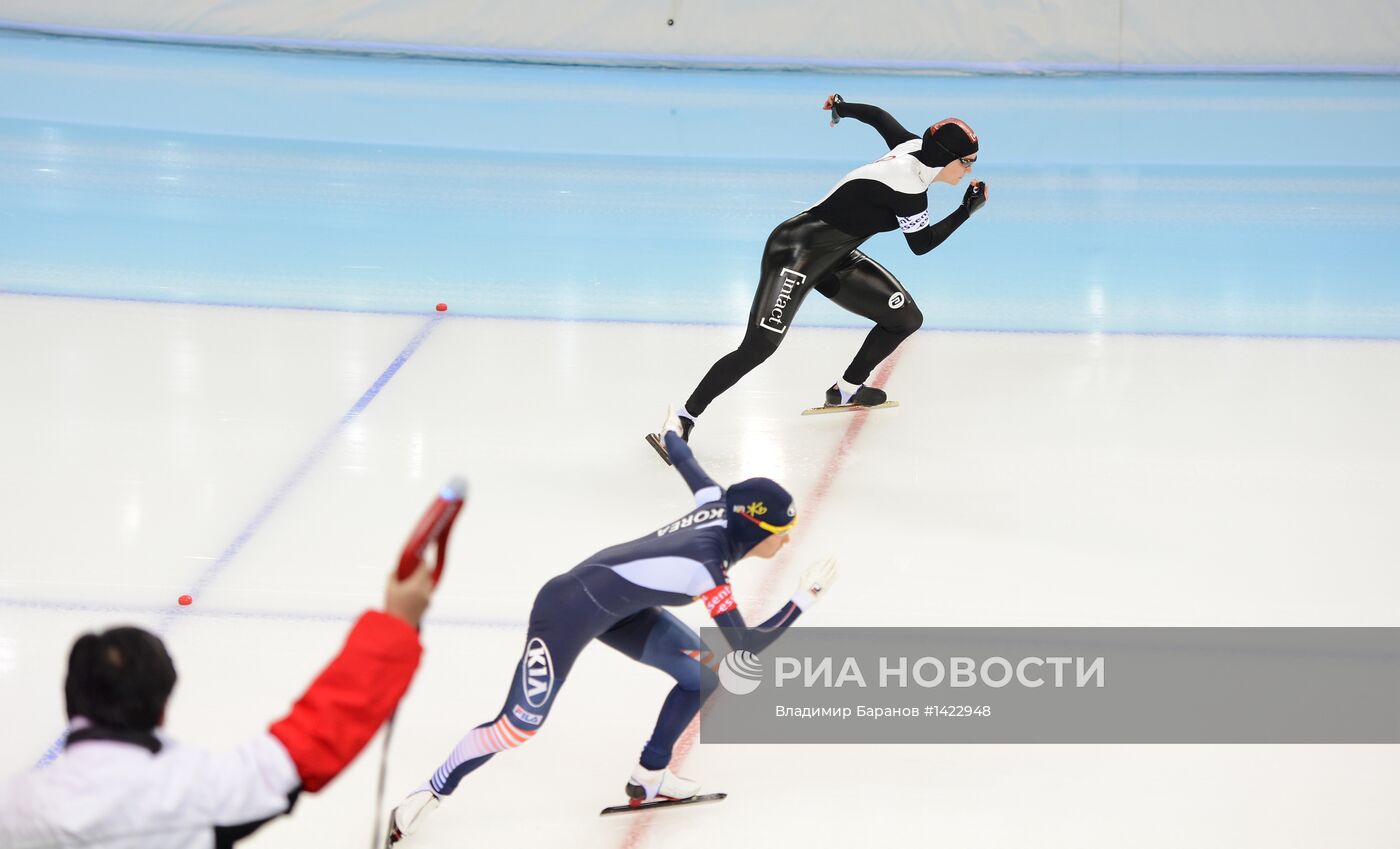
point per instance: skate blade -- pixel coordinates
(662, 803)
(654, 440)
(846, 408)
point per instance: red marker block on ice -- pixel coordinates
(442, 307)
(186, 600)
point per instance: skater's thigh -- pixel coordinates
(563, 621)
(660, 640)
(653, 628)
(794, 259)
(781, 290)
(865, 287)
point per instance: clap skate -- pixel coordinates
(681, 425)
(409, 815)
(864, 398)
(658, 788)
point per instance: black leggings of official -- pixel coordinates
(805, 253)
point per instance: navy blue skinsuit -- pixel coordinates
(616, 596)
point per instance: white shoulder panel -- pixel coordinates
(896, 169)
(668, 574)
(706, 495)
(908, 147)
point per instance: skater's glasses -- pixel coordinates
(772, 529)
(967, 163)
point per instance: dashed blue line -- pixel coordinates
(299, 473)
(279, 495)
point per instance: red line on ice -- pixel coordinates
(637, 833)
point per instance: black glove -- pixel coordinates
(833, 103)
(974, 197)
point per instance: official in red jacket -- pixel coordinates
(120, 783)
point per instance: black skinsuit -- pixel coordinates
(817, 249)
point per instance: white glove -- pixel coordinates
(815, 582)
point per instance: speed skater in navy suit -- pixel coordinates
(618, 597)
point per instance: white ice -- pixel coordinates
(1027, 479)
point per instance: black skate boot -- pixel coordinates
(865, 396)
(687, 425)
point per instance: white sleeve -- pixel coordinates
(249, 783)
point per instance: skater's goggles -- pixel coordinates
(769, 527)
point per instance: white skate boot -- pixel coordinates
(409, 815)
(650, 789)
(680, 425)
(648, 784)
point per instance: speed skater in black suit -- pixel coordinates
(819, 249)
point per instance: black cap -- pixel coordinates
(947, 140)
(763, 508)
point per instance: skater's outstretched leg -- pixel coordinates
(756, 347)
(562, 622)
(799, 252)
(471, 752)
